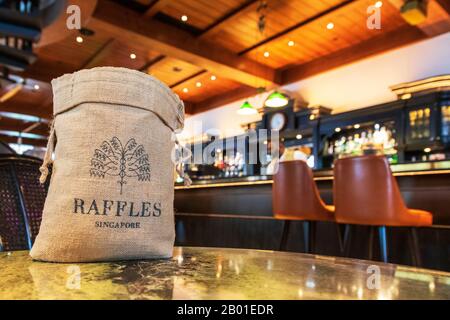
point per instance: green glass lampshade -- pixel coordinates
(276, 100)
(247, 109)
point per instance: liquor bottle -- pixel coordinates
(412, 124)
(446, 121)
(426, 123)
(420, 123)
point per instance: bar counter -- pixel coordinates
(398, 170)
(238, 213)
(209, 273)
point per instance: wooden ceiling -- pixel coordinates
(218, 55)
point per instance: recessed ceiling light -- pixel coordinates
(291, 43)
(184, 18)
(427, 150)
(298, 137)
(357, 126)
(337, 129)
(330, 25)
(185, 90)
(213, 77)
(80, 39)
(379, 4)
(198, 84)
(36, 87)
(133, 56)
(266, 54)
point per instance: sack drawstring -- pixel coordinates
(180, 166)
(48, 154)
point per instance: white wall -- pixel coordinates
(357, 85)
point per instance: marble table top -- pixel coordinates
(217, 273)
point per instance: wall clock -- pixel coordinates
(278, 121)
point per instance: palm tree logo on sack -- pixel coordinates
(115, 159)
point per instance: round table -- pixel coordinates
(217, 273)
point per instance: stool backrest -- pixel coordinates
(22, 200)
(365, 192)
(294, 193)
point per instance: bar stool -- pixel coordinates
(366, 193)
(295, 197)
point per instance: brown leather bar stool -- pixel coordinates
(366, 193)
(295, 197)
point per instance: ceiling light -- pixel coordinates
(184, 18)
(213, 77)
(198, 84)
(266, 54)
(337, 129)
(427, 150)
(379, 4)
(247, 109)
(80, 39)
(36, 87)
(291, 43)
(406, 96)
(185, 90)
(133, 56)
(330, 25)
(357, 126)
(298, 137)
(276, 100)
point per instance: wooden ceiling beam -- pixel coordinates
(250, 5)
(445, 5)
(195, 75)
(156, 7)
(104, 51)
(148, 64)
(438, 16)
(223, 99)
(392, 40)
(298, 25)
(126, 24)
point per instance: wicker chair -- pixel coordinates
(22, 200)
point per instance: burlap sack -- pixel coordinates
(111, 188)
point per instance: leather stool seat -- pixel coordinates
(366, 193)
(295, 197)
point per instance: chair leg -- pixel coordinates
(284, 236)
(383, 243)
(309, 235)
(340, 239)
(312, 236)
(371, 236)
(414, 247)
(180, 232)
(347, 239)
